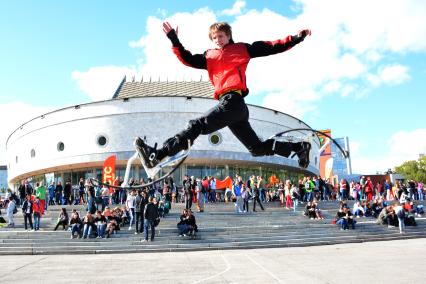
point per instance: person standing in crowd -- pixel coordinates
(27, 210)
(138, 212)
(236, 191)
(58, 193)
(362, 182)
(105, 197)
(342, 190)
(420, 192)
(309, 189)
(256, 198)
(130, 204)
(150, 215)
(288, 197)
(281, 194)
(200, 191)
(206, 189)
(295, 195)
(245, 195)
(21, 191)
(302, 190)
(28, 188)
(369, 189)
(51, 190)
(212, 188)
(37, 212)
(10, 210)
(41, 194)
(388, 189)
(91, 207)
(262, 190)
(81, 188)
(187, 192)
(67, 193)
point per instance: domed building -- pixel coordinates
(73, 142)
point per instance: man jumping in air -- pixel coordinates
(226, 66)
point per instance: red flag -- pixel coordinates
(108, 174)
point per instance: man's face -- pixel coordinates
(220, 38)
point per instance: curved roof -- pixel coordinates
(201, 89)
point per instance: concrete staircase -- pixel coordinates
(219, 228)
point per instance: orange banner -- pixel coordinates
(222, 184)
(108, 174)
(326, 161)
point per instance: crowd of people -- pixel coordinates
(109, 208)
(144, 213)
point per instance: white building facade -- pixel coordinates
(73, 142)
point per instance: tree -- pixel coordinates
(415, 170)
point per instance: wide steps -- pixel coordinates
(219, 228)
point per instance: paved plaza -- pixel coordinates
(372, 262)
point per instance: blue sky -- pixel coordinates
(361, 73)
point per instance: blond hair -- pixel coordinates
(220, 26)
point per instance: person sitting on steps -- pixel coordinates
(226, 66)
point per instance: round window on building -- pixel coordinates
(32, 153)
(215, 138)
(60, 146)
(102, 140)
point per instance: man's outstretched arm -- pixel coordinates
(265, 48)
(186, 57)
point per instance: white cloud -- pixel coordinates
(394, 75)
(390, 75)
(100, 83)
(235, 10)
(401, 146)
(13, 115)
(350, 41)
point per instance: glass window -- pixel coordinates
(102, 140)
(215, 138)
(32, 153)
(60, 146)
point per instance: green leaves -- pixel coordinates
(415, 170)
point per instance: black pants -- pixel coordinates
(188, 201)
(139, 220)
(246, 205)
(63, 223)
(257, 199)
(233, 113)
(28, 218)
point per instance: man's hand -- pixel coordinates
(167, 28)
(304, 33)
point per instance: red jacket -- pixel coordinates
(227, 66)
